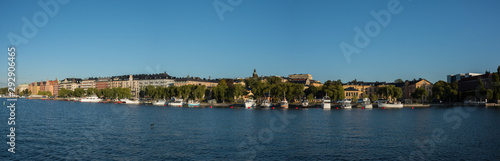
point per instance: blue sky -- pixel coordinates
(427, 39)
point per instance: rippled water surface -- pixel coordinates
(57, 130)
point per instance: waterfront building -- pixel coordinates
(469, 86)
(102, 83)
(456, 77)
(34, 88)
(52, 87)
(70, 83)
(22, 87)
(41, 86)
(195, 81)
(300, 76)
(362, 89)
(88, 83)
(409, 87)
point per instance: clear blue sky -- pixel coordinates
(428, 39)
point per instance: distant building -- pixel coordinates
(409, 87)
(471, 84)
(255, 73)
(195, 81)
(362, 89)
(52, 87)
(456, 77)
(34, 88)
(300, 76)
(88, 83)
(102, 83)
(70, 83)
(22, 87)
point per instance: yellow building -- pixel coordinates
(362, 89)
(409, 87)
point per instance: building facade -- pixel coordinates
(456, 77)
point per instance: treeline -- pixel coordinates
(103, 93)
(185, 92)
(274, 87)
(227, 91)
(333, 89)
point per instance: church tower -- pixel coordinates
(255, 73)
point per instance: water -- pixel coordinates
(56, 130)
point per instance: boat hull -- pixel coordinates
(250, 104)
(91, 100)
(175, 104)
(159, 103)
(390, 105)
(326, 105)
(368, 106)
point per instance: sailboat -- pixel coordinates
(284, 103)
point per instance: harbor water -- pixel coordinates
(62, 130)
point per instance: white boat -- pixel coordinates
(346, 104)
(325, 103)
(92, 98)
(127, 101)
(390, 105)
(176, 102)
(193, 103)
(305, 103)
(366, 103)
(250, 103)
(284, 103)
(266, 104)
(159, 102)
(346, 101)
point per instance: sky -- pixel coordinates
(422, 39)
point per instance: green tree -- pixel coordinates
(78, 92)
(45, 93)
(496, 85)
(220, 91)
(420, 93)
(4, 90)
(63, 93)
(92, 91)
(354, 99)
(390, 92)
(398, 81)
(373, 97)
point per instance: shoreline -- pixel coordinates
(298, 105)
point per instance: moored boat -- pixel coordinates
(325, 103)
(159, 102)
(390, 105)
(193, 103)
(176, 102)
(250, 103)
(92, 98)
(305, 103)
(366, 103)
(284, 102)
(266, 104)
(128, 101)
